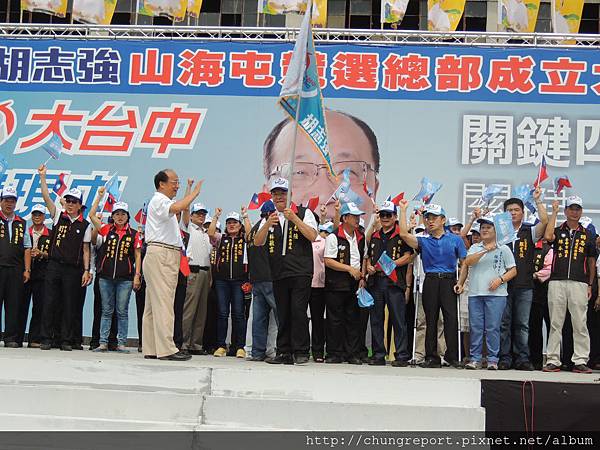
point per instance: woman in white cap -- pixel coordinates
(119, 270)
(489, 268)
(231, 271)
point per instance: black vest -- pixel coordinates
(12, 252)
(258, 258)
(38, 265)
(230, 259)
(66, 246)
(298, 259)
(523, 249)
(118, 255)
(539, 254)
(336, 280)
(570, 254)
(395, 248)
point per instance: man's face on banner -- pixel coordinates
(349, 147)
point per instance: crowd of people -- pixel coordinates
(287, 285)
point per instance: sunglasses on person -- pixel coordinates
(385, 215)
(71, 200)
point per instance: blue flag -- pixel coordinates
(505, 232)
(427, 191)
(302, 82)
(3, 165)
(490, 192)
(365, 300)
(388, 266)
(344, 192)
(54, 146)
(524, 192)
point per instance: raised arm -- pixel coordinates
(45, 193)
(212, 228)
(94, 208)
(549, 234)
(184, 203)
(541, 227)
(246, 219)
(406, 236)
(185, 216)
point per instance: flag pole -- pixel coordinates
(293, 157)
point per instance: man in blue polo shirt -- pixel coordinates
(440, 250)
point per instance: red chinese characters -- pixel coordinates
(50, 122)
(359, 71)
(321, 66)
(563, 77)
(596, 71)
(201, 67)
(408, 73)
(106, 133)
(255, 69)
(458, 73)
(512, 74)
(151, 68)
(167, 128)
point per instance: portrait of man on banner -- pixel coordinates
(518, 16)
(393, 11)
(54, 7)
(444, 15)
(98, 12)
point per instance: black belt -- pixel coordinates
(196, 269)
(440, 275)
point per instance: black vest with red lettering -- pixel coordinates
(118, 255)
(12, 251)
(395, 248)
(570, 260)
(38, 264)
(523, 249)
(66, 244)
(230, 259)
(298, 259)
(336, 280)
(258, 258)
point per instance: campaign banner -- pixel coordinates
(173, 9)
(466, 117)
(319, 13)
(392, 11)
(193, 8)
(53, 7)
(519, 16)
(566, 15)
(99, 12)
(444, 15)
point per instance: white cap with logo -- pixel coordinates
(39, 209)
(388, 206)
(9, 192)
(452, 221)
(574, 200)
(232, 216)
(75, 193)
(120, 206)
(280, 183)
(196, 207)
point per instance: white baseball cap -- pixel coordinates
(39, 208)
(574, 200)
(436, 210)
(75, 193)
(475, 228)
(280, 183)
(352, 209)
(121, 206)
(9, 192)
(199, 207)
(233, 216)
(453, 221)
(489, 219)
(327, 226)
(388, 206)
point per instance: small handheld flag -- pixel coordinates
(112, 192)
(542, 173)
(60, 186)
(140, 217)
(428, 189)
(344, 193)
(388, 266)
(368, 191)
(184, 264)
(396, 199)
(560, 183)
(490, 191)
(257, 200)
(53, 147)
(505, 232)
(525, 193)
(313, 203)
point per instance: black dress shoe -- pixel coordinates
(281, 359)
(197, 352)
(66, 348)
(300, 359)
(11, 345)
(149, 356)
(399, 363)
(258, 358)
(525, 366)
(355, 361)
(376, 362)
(77, 347)
(45, 346)
(431, 364)
(503, 365)
(179, 356)
(456, 364)
(334, 360)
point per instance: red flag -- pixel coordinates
(184, 265)
(560, 183)
(393, 275)
(257, 200)
(110, 201)
(60, 186)
(313, 203)
(140, 217)
(542, 174)
(397, 198)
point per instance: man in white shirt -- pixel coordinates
(198, 282)
(161, 266)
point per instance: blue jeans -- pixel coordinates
(485, 314)
(514, 335)
(229, 294)
(115, 292)
(263, 301)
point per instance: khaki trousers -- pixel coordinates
(194, 309)
(420, 338)
(571, 295)
(160, 267)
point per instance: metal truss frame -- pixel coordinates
(271, 35)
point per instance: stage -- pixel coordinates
(83, 390)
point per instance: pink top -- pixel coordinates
(544, 272)
(318, 246)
